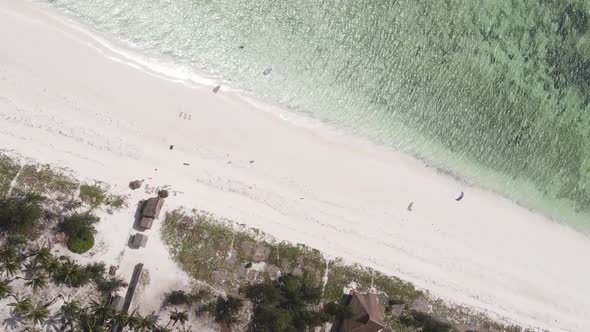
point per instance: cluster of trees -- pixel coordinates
(290, 303)
(21, 215)
(38, 268)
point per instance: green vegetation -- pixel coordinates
(8, 171)
(424, 322)
(96, 195)
(116, 201)
(289, 303)
(222, 255)
(42, 179)
(227, 310)
(341, 275)
(81, 244)
(93, 195)
(39, 268)
(80, 230)
(20, 214)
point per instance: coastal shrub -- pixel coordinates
(424, 322)
(80, 245)
(116, 202)
(93, 195)
(20, 214)
(178, 297)
(79, 228)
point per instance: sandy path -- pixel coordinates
(67, 99)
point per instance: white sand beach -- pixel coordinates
(69, 99)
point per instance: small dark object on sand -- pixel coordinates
(460, 197)
(267, 71)
(241, 47)
(135, 184)
(185, 164)
(410, 206)
(251, 161)
(163, 193)
(171, 147)
(216, 89)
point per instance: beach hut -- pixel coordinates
(152, 207)
(146, 222)
(367, 313)
(139, 240)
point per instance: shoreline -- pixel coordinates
(473, 174)
(87, 121)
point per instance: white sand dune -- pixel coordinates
(68, 99)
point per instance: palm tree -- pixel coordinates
(22, 307)
(71, 273)
(9, 260)
(134, 321)
(102, 311)
(37, 281)
(69, 314)
(51, 266)
(111, 285)
(178, 316)
(39, 313)
(5, 289)
(40, 255)
(120, 319)
(8, 252)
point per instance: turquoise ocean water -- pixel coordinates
(496, 92)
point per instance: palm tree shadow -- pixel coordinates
(52, 324)
(12, 322)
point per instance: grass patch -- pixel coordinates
(341, 275)
(200, 245)
(299, 259)
(8, 170)
(224, 256)
(215, 252)
(116, 202)
(81, 244)
(93, 195)
(42, 179)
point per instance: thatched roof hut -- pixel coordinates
(367, 314)
(146, 222)
(152, 207)
(139, 240)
